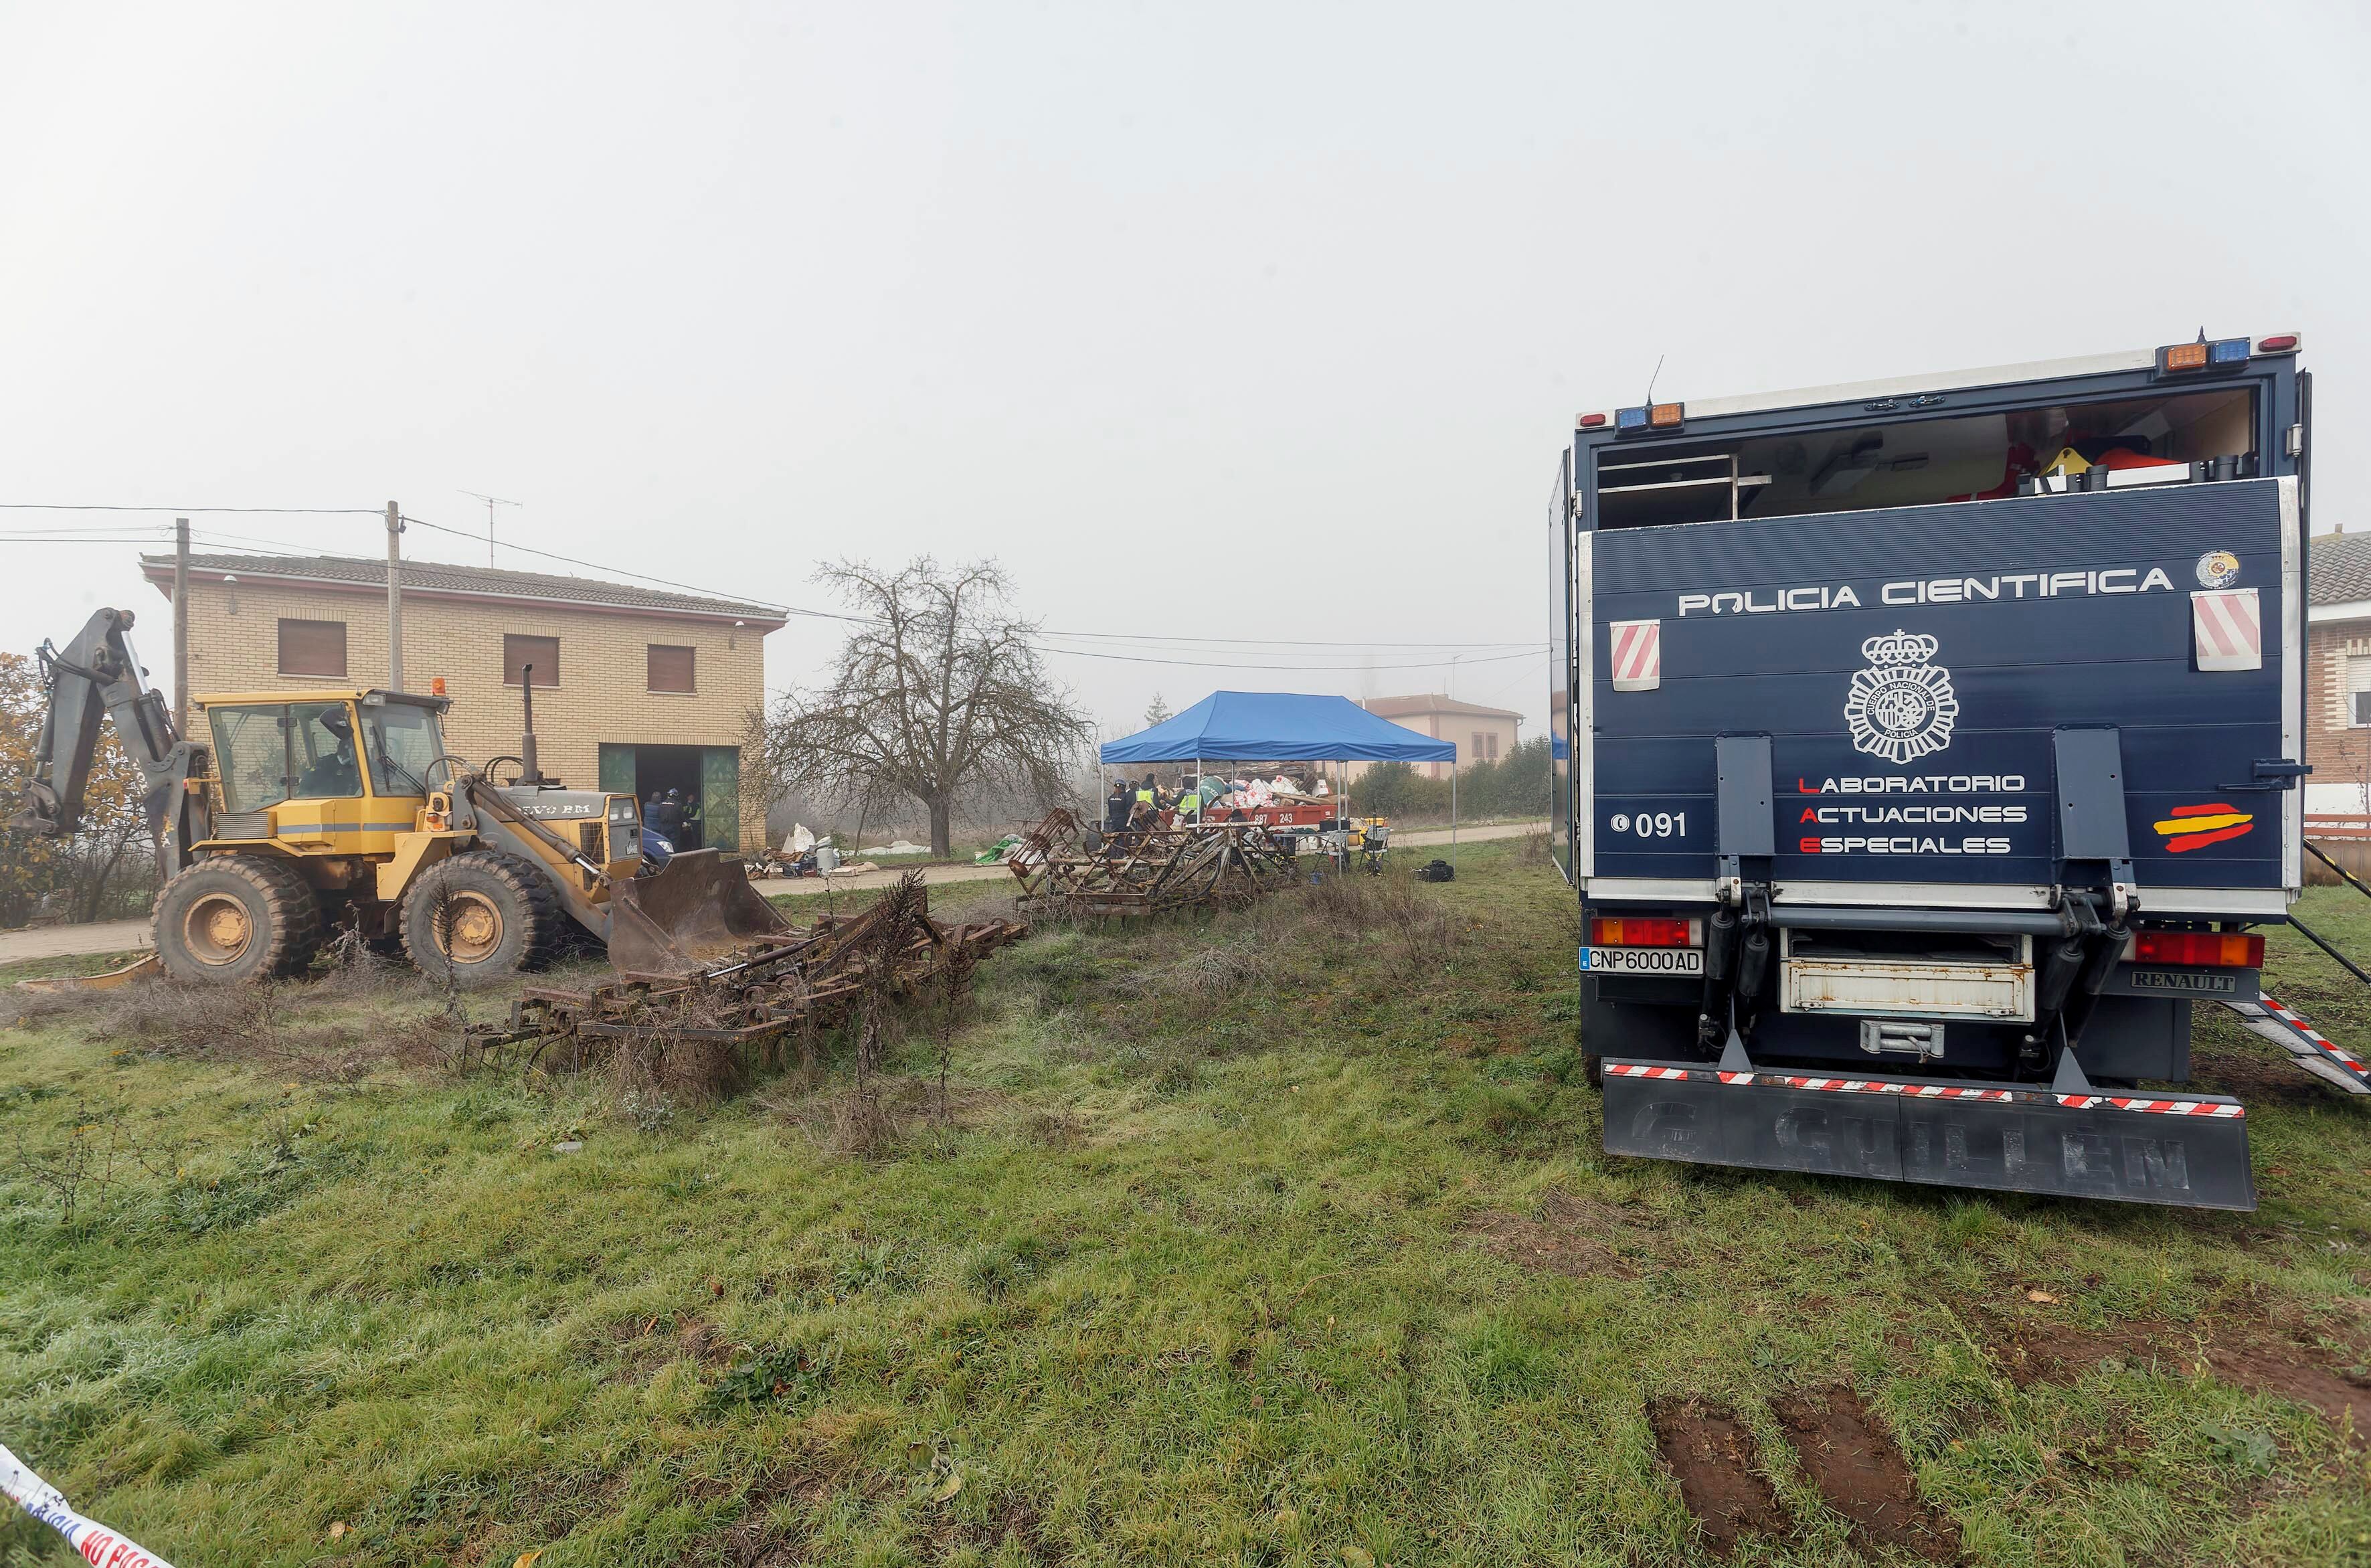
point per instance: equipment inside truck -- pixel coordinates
(1858, 468)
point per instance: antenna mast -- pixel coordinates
(492, 501)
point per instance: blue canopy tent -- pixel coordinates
(1281, 726)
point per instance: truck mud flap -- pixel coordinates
(2188, 1150)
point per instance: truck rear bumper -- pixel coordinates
(2188, 1150)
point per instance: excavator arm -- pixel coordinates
(98, 675)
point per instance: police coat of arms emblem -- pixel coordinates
(1901, 707)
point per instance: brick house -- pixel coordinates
(2337, 674)
(634, 688)
(1482, 734)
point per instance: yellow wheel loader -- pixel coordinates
(305, 814)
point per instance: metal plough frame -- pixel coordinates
(811, 979)
(1142, 873)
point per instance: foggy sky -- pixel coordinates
(1212, 322)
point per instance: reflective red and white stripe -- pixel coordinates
(1888, 1086)
(2154, 1107)
(2226, 626)
(2220, 1112)
(1637, 655)
(2319, 1041)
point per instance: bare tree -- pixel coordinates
(937, 690)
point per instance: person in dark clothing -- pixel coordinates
(1116, 805)
(695, 826)
(666, 816)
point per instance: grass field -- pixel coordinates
(1279, 1239)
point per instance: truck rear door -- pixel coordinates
(1912, 666)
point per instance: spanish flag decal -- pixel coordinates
(2194, 827)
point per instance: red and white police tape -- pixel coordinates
(99, 1546)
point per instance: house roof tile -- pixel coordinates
(435, 579)
(1397, 707)
(2342, 569)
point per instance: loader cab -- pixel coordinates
(316, 768)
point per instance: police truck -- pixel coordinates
(1929, 753)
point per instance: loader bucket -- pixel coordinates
(689, 915)
(144, 964)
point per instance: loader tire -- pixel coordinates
(234, 919)
(499, 916)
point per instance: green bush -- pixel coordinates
(1397, 789)
(1516, 785)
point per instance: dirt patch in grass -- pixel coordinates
(1710, 1454)
(700, 1341)
(2033, 1349)
(1576, 1237)
(757, 1539)
(2036, 1348)
(1012, 1519)
(2291, 1371)
(1862, 1474)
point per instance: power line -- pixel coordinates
(641, 576)
(92, 528)
(252, 547)
(186, 510)
(79, 539)
(1272, 665)
(1137, 639)
(1273, 641)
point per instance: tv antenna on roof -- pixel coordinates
(492, 501)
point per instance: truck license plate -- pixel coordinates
(1642, 960)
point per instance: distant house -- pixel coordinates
(1481, 734)
(635, 689)
(2337, 674)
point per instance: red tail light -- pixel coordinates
(1637, 932)
(2199, 949)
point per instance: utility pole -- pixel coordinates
(394, 597)
(492, 501)
(182, 625)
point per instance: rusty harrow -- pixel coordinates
(812, 979)
(1144, 873)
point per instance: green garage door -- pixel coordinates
(617, 770)
(720, 797)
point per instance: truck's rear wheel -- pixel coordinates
(477, 917)
(235, 917)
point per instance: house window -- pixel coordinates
(313, 647)
(670, 668)
(1476, 754)
(2358, 690)
(1494, 745)
(518, 653)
